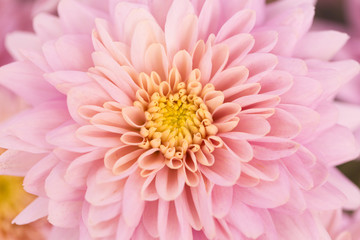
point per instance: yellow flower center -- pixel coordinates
(176, 116)
(13, 197)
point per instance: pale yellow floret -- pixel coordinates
(177, 118)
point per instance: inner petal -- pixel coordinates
(177, 116)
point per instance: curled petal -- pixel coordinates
(151, 160)
(134, 116)
(226, 169)
(132, 138)
(122, 158)
(169, 183)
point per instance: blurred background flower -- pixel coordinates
(13, 199)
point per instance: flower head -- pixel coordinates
(178, 120)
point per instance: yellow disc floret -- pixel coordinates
(177, 117)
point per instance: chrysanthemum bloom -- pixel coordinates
(13, 200)
(179, 120)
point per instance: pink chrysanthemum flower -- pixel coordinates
(179, 120)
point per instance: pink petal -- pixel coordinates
(150, 218)
(47, 26)
(151, 159)
(324, 44)
(239, 46)
(307, 117)
(226, 169)
(63, 81)
(268, 171)
(283, 124)
(29, 126)
(203, 206)
(248, 222)
(299, 171)
(265, 41)
(259, 64)
(242, 90)
(88, 94)
(114, 72)
(77, 46)
(242, 149)
(134, 116)
(101, 194)
(175, 29)
(168, 222)
(111, 122)
(145, 34)
(294, 66)
(335, 146)
(295, 227)
(64, 137)
(183, 62)
(257, 101)
(273, 148)
(315, 198)
(58, 233)
(114, 91)
(241, 22)
(186, 203)
(65, 213)
(148, 190)
(208, 18)
(221, 200)
(303, 92)
(249, 127)
(58, 189)
(98, 137)
(76, 17)
(169, 183)
(229, 77)
(267, 194)
(34, 211)
(124, 231)
(142, 233)
(220, 57)
(133, 205)
(276, 83)
(19, 77)
(349, 189)
(18, 163)
(34, 181)
(161, 66)
(122, 160)
(78, 170)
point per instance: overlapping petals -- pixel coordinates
(254, 153)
